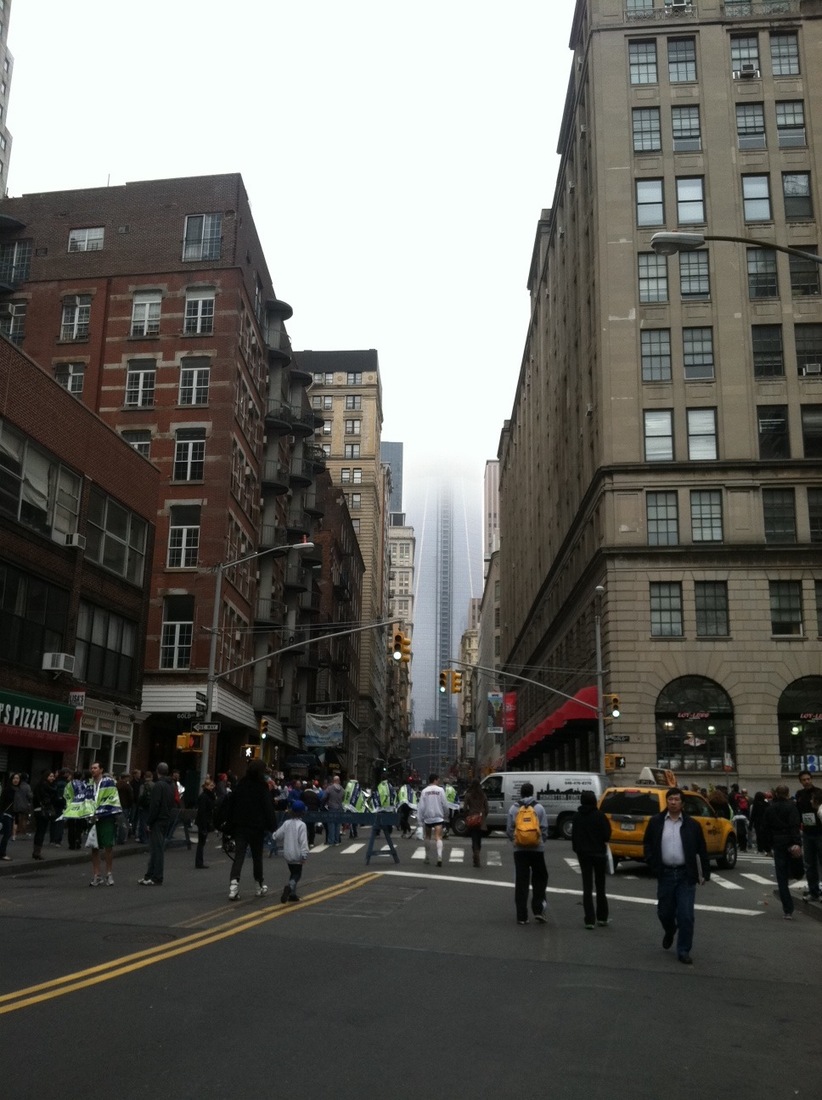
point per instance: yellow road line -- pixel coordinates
(115, 968)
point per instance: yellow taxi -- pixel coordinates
(630, 808)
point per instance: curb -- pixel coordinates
(68, 859)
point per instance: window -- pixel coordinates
(642, 61)
(194, 379)
(690, 200)
(687, 136)
(808, 339)
(694, 279)
(779, 514)
(756, 198)
(352, 427)
(653, 277)
(666, 610)
(145, 313)
(702, 444)
(33, 617)
(189, 454)
(745, 53)
(639, 5)
(139, 439)
(178, 632)
(351, 450)
(762, 281)
(815, 514)
(711, 605)
(345, 475)
(202, 237)
(804, 274)
(321, 379)
(355, 526)
(650, 209)
(785, 54)
(15, 262)
(773, 431)
(681, 60)
(70, 376)
(357, 475)
(106, 648)
(766, 342)
(790, 124)
(352, 401)
(326, 450)
(355, 501)
(786, 607)
(76, 317)
(199, 315)
(750, 125)
(663, 519)
(655, 349)
(706, 515)
(659, 435)
(115, 537)
(646, 130)
(140, 378)
(796, 190)
(13, 322)
(812, 431)
(183, 536)
(35, 489)
(86, 240)
(353, 378)
(698, 354)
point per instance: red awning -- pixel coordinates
(38, 739)
(571, 710)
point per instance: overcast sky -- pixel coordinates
(396, 155)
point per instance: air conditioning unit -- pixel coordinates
(748, 71)
(77, 541)
(678, 5)
(281, 684)
(58, 662)
(812, 368)
(248, 471)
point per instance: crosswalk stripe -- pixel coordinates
(757, 878)
(725, 883)
(574, 865)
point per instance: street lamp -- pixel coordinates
(297, 547)
(666, 244)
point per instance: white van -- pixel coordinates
(557, 791)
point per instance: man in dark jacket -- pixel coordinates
(676, 853)
(161, 810)
(590, 833)
(811, 835)
(780, 827)
(251, 815)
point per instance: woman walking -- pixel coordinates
(475, 811)
(204, 820)
(590, 833)
(250, 816)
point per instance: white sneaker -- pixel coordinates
(109, 879)
(234, 890)
(96, 881)
(261, 890)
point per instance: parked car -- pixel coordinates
(630, 808)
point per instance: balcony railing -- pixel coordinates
(744, 9)
(659, 10)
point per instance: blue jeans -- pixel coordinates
(812, 858)
(781, 866)
(675, 897)
(332, 828)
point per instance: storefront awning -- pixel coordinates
(38, 739)
(578, 708)
(34, 723)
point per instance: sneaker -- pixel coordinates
(96, 881)
(439, 863)
(109, 879)
(261, 890)
(603, 923)
(234, 890)
(6, 859)
(522, 922)
(590, 926)
(540, 916)
(293, 897)
(286, 894)
(787, 916)
(145, 881)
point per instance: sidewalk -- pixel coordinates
(61, 856)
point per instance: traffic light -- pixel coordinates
(612, 705)
(263, 728)
(456, 683)
(610, 762)
(396, 652)
(251, 752)
(406, 649)
(444, 680)
(190, 742)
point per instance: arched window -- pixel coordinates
(800, 725)
(695, 726)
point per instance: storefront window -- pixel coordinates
(695, 727)
(800, 725)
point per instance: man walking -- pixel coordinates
(334, 799)
(106, 808)
(676, 854)
(527, 829)
(590, 833)
(432, 810)
(811, 835)
(161, 810)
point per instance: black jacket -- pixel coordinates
(693, 846)
(161, 805)
(780, 825)
(251, 806)
(205, 811)
(590, 832)
(811, 824)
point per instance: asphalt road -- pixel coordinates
(403, 979)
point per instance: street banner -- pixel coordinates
(509, 711)
(323, 731)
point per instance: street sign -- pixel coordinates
(206, 727)
(185, 714)
(201, 695)
(619, 738)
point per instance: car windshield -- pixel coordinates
(641, 803)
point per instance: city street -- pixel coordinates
(408, 974)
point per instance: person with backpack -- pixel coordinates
(527, 829)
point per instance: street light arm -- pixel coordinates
(666, 244)
(524, 680)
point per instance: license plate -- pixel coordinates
(627, 826)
